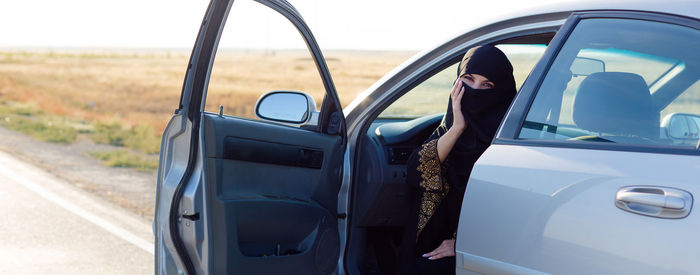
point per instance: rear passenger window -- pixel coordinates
(621, 81)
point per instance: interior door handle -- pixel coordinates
(655, 201)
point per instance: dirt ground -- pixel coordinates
(128, 188)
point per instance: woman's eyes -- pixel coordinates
(485, 85)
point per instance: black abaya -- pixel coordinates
(441, 186)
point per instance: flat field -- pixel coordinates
(125, 98)
(143, 87)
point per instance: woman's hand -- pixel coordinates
(448, 140)
(446, 249)
(456, 96)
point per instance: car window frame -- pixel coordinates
(509, 132)
(367, 106)
(452, 56)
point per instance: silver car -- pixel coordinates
(593, 170)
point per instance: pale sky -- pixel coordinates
(348, 24)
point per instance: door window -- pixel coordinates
(621, 81)
(259, 51)
(431, 96)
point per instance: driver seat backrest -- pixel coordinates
(616, 103)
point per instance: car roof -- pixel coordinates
(562, 10)
(687, 8)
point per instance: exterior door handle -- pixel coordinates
(655, 201)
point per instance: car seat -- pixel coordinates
(617, 106)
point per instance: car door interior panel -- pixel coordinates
(256, 169)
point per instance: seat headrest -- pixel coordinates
(615, 103)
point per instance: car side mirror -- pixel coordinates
(682, 127)
(585, 66)
(286, 106)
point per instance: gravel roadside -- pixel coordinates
(125, 187)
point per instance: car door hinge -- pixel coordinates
(342, 215)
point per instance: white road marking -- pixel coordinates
(106, 225)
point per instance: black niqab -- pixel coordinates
(483, 110)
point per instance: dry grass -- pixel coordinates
(240, 78)
(125, 158)
(26, 118)
(133, 88)
(125, 98)
(144, 87)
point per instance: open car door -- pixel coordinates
(243, 196)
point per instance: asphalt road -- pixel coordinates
(49, 226)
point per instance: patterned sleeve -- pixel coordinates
(432, 182)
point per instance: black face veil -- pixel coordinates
(483, 110)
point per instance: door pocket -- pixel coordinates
(288, 228)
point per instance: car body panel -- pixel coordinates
(553, 210)
(546, 206)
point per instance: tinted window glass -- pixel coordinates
(620, 81)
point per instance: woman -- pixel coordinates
(440, 168)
